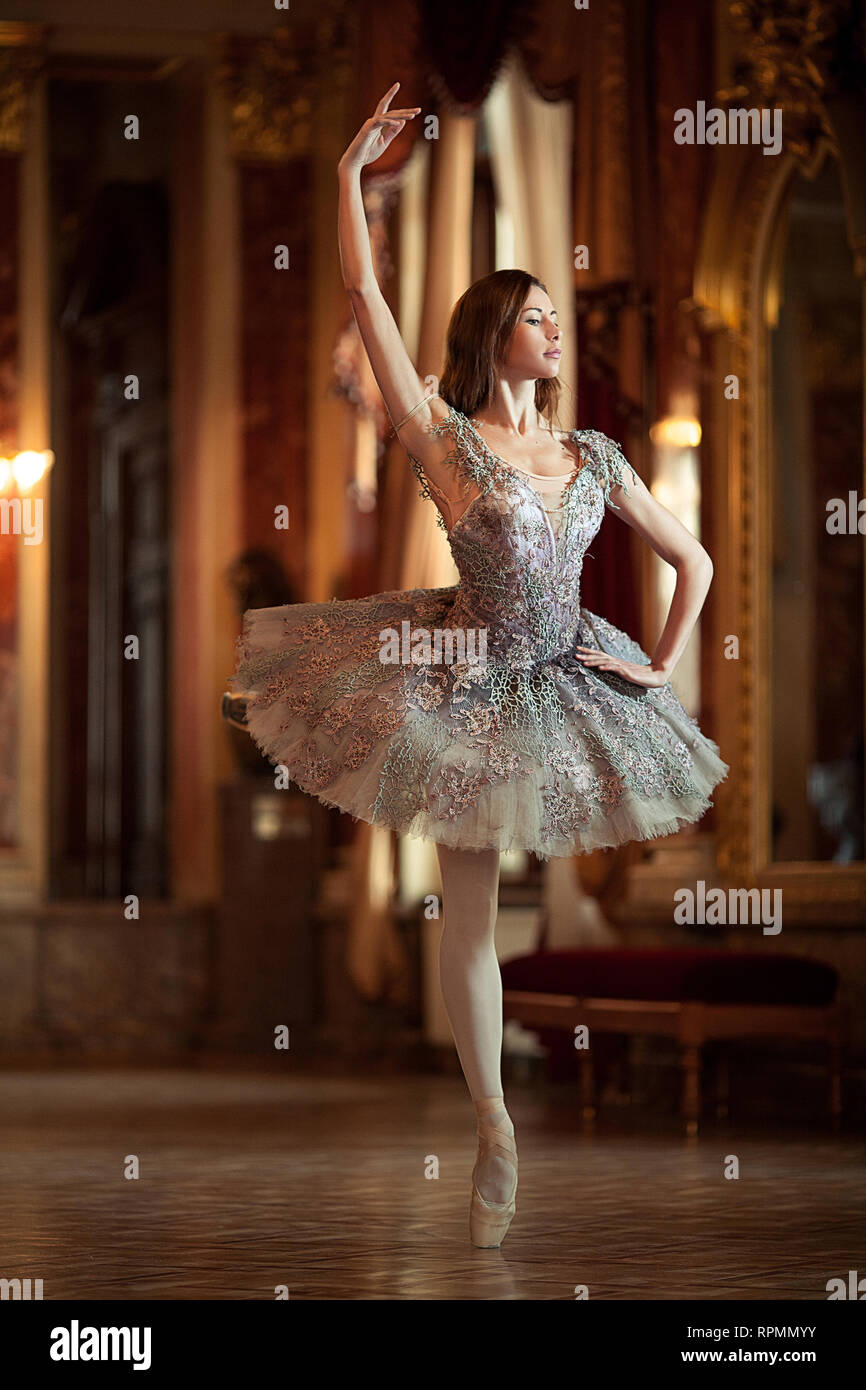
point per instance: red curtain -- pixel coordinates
(448, 53)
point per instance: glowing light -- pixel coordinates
(30, 466)
(676, 432)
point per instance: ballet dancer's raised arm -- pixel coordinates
(399, 382)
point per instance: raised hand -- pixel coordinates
(376, 134)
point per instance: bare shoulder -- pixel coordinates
(427, 434)
(442, 455)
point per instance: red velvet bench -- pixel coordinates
(693, 995)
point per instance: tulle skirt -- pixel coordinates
(549, 756)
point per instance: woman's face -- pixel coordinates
(534, 347)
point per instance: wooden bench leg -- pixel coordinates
(834, 1077)
(723, 1085)
(587, 1086)
(690, 1059)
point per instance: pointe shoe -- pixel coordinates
(233, 709)
(489, 1221)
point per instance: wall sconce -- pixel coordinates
(677, 431)
(24, 470)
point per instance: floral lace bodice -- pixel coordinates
(520, 569)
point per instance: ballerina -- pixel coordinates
(567, 736)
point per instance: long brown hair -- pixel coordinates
(481, 324)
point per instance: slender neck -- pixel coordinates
(512, 407)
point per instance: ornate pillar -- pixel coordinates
(24, 424)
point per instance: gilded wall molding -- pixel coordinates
(793, 60)
(23, 59)
(722, 303)
(797, 56)
(274, 85)
(741, 831)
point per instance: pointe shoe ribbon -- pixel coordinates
(489, 1221)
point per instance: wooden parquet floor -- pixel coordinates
(250, 1180)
